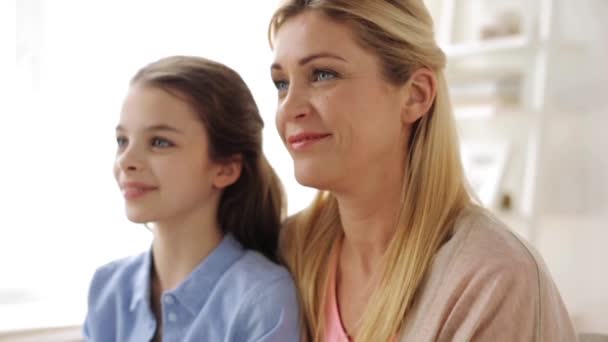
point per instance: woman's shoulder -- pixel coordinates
(481, 241)
(482, 252)
(485, 281)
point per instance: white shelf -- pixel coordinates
(485, 70)
(465, 114)
(502, 125)
(492, 59)
(484, 47)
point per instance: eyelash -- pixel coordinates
(281, 85)
(157, 139)
(318, 72)
(122, 142)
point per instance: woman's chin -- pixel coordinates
(313, 180)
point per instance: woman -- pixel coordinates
(393, 247)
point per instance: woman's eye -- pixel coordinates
(161, 143)
(324, 75)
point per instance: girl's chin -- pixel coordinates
(140, 218)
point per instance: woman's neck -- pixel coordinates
(369, 220)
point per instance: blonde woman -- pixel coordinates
(393, 247)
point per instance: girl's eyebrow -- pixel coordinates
(158, 127)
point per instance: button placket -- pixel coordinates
(169, 299)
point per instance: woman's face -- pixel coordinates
(337, 116)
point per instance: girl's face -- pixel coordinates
(337, 116)
(162, 161)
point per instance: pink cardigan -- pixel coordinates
(485, 284)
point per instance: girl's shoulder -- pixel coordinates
(120, 278)
(120, 284)
(264, 297)
(114, 291)
(253, 272)
(123, 267)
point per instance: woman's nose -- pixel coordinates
(295, 105)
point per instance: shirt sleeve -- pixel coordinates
(97, 297)
(270, 313)
(510, 301)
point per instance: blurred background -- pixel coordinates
(527, 78)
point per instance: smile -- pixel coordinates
(132, 191)
(303, 140)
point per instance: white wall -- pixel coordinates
(61, 212)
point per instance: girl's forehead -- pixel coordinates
(145, 104)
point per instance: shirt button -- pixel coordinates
(169, 299)
(172, 317)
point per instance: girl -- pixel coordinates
(190, 165)
(393, 247)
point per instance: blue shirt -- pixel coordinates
(232, 295)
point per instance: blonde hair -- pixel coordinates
(400, 33)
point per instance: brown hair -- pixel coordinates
(252, 208)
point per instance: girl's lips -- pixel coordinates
(305, 139)
(132, 193)
(134, 190)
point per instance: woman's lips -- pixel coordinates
(303, 140)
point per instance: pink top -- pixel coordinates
(484, 284)
(334, 330)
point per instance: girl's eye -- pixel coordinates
(324, 75)
(121, 141)
(161, 143)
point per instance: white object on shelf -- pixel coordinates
(484, 163)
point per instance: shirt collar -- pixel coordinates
(141, 281)
(194, 291)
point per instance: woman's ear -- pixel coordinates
(420, 90)
(228, 171)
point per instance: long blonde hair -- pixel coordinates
(400, 33)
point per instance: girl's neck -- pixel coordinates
(180, 246)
